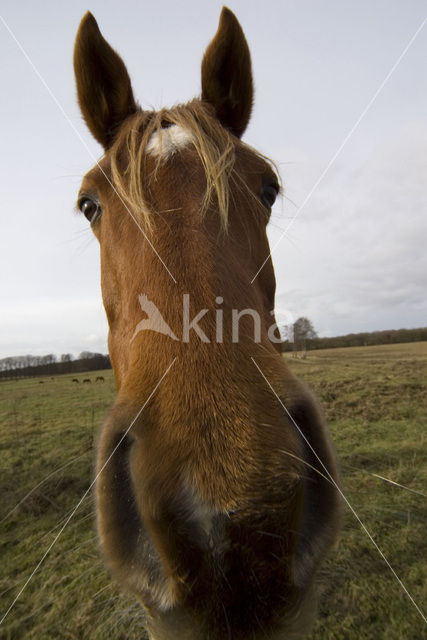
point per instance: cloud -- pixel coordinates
(44, 325)
(356, 257)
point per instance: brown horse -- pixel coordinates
(216, 494)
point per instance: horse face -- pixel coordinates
(145, 197)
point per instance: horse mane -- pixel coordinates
(215, 146)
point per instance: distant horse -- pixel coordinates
(75, 380)
(99, 379)
(216, 480)
(87, 380)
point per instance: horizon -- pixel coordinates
(284, 340)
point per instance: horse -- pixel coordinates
(87, 380)
(75, 380)
(99, 379)
(216, 480)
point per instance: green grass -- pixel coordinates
(375, 399)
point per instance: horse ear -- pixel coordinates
(227, 74)
(103, 85)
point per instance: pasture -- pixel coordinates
(375, 399)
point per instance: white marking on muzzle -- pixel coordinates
(165, 142)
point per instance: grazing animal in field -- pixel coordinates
(41, 381)
(87, 380)
(215, 487)
(75, 380)
(100, 379)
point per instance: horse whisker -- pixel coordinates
(397, 484)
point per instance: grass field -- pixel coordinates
(375, 399)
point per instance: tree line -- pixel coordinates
(301, 336)
(30, 366)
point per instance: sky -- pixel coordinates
(346, 125)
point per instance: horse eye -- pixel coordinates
(90, 209)
(269, 195)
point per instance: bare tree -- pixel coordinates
(86, 355)
(303, 330)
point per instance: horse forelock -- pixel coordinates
(160, 135)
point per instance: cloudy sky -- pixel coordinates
(354, 259)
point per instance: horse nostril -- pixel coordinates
(115, 496)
